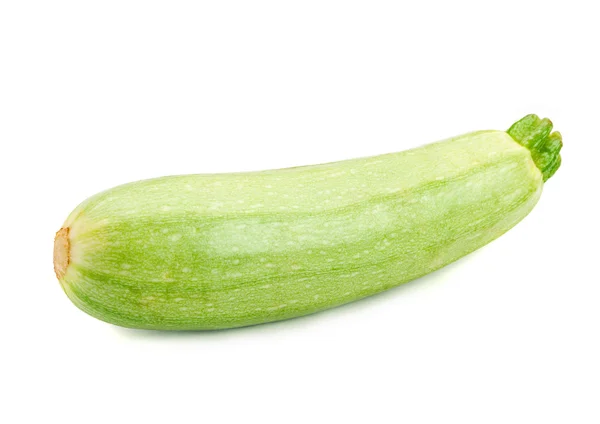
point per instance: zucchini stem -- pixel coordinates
(536, 134)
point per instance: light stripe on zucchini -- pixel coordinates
(229, 250)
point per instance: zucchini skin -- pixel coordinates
(200, 252)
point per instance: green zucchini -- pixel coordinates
(227, 250)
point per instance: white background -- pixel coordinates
(95, 94)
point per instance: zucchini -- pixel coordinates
(227, 250)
